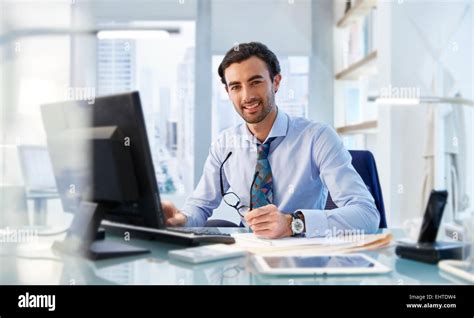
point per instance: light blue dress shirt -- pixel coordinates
(307, 159)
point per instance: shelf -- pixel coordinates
(363, 127)
(359, 9)
(364, 67)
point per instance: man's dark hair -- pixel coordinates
(244, 51)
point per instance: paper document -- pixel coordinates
(302, 245)
(292, 241)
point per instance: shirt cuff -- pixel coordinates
(316, 223)
(191, 219)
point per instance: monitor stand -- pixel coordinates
(85, 239)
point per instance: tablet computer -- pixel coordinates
(337, 264)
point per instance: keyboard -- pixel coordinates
(188, 236)
(197, 230)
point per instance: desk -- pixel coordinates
(35, 263)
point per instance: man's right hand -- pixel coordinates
(172, 215)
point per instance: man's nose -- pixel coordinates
(247, 95)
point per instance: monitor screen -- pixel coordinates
(36, 167)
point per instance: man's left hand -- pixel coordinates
(268, 222)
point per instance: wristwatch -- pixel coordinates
(297, 223)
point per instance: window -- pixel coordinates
(115, 66)
(162, 70)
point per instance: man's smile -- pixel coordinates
(252, 108)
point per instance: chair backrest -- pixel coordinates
(364, 163)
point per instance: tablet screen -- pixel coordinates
(317, 261)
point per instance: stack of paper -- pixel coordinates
(301, 245)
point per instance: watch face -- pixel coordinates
(297, 226)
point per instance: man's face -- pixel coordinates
(251, 89)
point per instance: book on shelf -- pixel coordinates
(358, 40)
(371, 27)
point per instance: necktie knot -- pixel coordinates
(263, 149)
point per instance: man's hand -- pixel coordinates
(268, 222)
(172, 215)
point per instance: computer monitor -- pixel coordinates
(103, 168)
(36, 168)
(100, 153)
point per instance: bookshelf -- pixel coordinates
(356, 58)
(359, 9)
(362, 127)
(364, 67)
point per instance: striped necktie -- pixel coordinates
(262, 191)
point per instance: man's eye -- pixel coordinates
(233, 88)
(255, 83)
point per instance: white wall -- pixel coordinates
(283, 26)
(401, 147)
(416, 31)
(321, 70)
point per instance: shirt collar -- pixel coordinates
(279, 128)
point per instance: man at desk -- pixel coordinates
(279, 165)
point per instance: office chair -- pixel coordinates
(364, 163)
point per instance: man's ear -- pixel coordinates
(226, 88)
(276, 82)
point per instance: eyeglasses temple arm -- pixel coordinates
(220, 171)
(251, 187)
